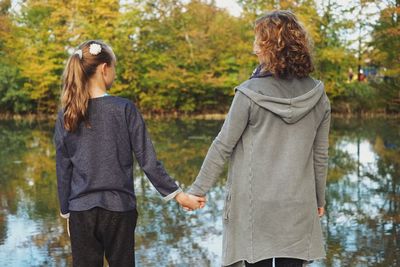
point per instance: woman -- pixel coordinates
(276, 137)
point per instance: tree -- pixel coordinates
(190, 56)
(50, 31)
(385, 54)
(12, 98)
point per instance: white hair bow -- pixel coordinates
(79, 53)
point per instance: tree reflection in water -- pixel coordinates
(361, 225)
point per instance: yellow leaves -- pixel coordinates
(170, 54)
(39, 70)
(334, 55)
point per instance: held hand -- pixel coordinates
(201, 200)
(321, 211)
(190, 202)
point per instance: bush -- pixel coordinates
(358, 97)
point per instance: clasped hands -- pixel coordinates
(190, 202)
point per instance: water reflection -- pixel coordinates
(363, 199)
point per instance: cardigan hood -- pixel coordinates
(291, 109)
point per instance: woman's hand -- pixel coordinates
(321, 211)
(190, 202)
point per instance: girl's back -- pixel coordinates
(102, 173)
(95, 137)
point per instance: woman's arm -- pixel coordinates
(320, 150)
(223, 145)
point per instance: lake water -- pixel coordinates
(361, 225)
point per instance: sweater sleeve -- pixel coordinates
(320, 152)
(63, 166)
(223, 145)
(146, 156)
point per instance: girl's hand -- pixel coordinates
(321, 211)
(190, 202)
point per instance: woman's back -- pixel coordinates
(274, 139)
(283, 120)
(280, 137)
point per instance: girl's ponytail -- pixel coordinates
(75, 96)
(75, 92)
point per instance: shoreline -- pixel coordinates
(203, 116)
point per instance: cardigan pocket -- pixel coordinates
(227, 206)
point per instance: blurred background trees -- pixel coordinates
(187, 56)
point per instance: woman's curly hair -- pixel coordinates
(282, 45)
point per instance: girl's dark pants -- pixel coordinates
(279, 262)
(98, 232)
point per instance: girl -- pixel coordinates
(276, 136)
(95, 134)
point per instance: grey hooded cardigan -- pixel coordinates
(276, 137)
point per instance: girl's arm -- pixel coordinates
(63, 167)
(223, 145)
(146, 156)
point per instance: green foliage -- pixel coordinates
(177, 56)
(389, 94)
(189, 56)
(385, 53)
(12, 98)
(358, 97)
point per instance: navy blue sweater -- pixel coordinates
(94, 166)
